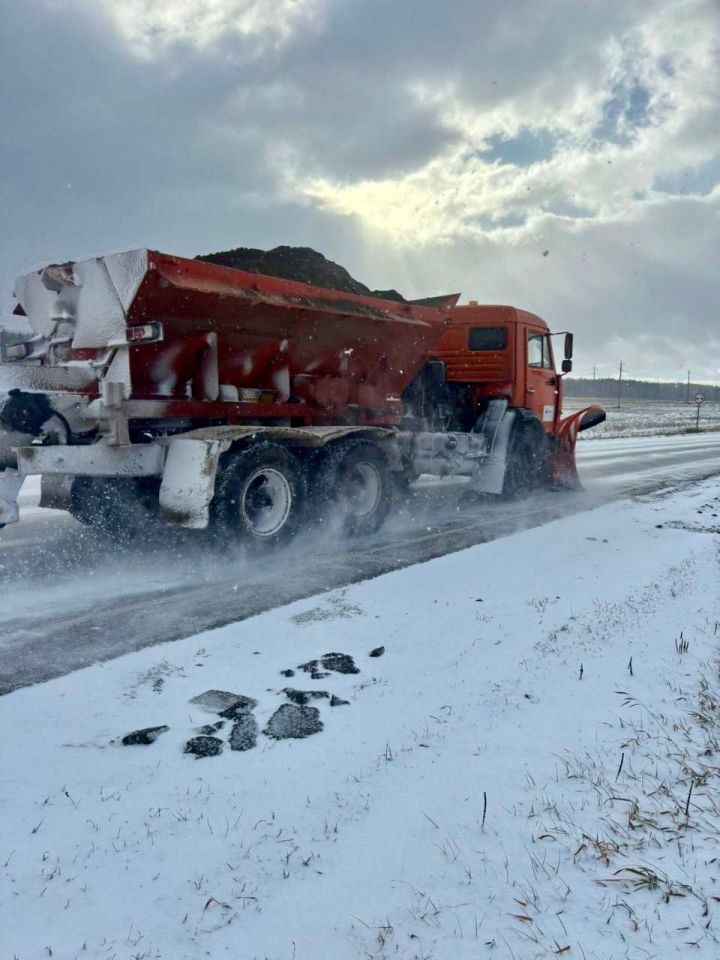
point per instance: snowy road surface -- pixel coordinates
(70, 599)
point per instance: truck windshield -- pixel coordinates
(487, 338)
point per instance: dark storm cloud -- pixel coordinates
(101, 148)
(82, 109)
(96, 144)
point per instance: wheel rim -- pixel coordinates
(266, 502)
(363, 490)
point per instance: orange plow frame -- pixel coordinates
(563, 469)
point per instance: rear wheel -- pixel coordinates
(354, 487)
(260, 494)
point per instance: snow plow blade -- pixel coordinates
(563, 470)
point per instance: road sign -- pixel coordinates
(699, 398)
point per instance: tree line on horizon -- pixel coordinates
(606, 388)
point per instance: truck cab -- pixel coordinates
(501, 352)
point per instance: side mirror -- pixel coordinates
(568, 347)
(566, 366)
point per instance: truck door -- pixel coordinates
(541, 382)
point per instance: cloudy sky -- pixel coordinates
(561, 155)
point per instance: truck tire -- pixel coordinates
(353, 486)
(260, 494)
(124, 508)
(525, 462)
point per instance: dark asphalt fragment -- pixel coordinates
(242, 706)
(339, 663)
(204, 746)
(143, 737)
(301, 697)
(293, 722)
(210, 728)
(377, 652)
(287, 673)
(217, 701)
(310, 667)
(244, 733)
(336, 662)
(337, 702)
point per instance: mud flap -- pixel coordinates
(497, 426)
(188, 483)
(563, 470)
(10, 483)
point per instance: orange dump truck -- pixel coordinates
(156, 388)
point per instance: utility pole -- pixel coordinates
(687, 398)
(593, 373)
(619, 385)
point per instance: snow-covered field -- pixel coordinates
(646, 418)
(530, 769)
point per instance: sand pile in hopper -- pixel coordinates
(295, 263)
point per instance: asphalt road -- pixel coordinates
(69, 598)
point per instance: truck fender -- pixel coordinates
(188, 481)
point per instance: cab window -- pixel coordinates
(487, 338)
(539, 353)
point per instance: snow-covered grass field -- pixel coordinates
(647, 418)
(531, 768)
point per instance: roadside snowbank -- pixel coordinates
(510, 779)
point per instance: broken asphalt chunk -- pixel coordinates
(204, 746)
(310, 667)
(301, 697)
(243, 706)
(145, 736)
(293, 722)
(244, 733)
(337, 702)
(217, 701)
(210, 728)
(337, 662)
(377, 652)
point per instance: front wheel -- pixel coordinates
(354, 485)
(525, 464)
(260, 494)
